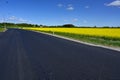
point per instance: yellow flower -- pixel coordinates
(99, 32)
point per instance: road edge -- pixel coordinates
(5, 30)
(78, 41)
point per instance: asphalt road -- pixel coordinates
(26, 55)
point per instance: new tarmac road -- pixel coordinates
(27, 55)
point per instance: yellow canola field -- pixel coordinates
(99, 32)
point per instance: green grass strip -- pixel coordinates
(2, 29)
(112, 42)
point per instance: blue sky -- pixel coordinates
(59, 12)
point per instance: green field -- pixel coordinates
(2, 29)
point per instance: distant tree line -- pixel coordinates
(18, 25)
(12, 25)
(31, 25)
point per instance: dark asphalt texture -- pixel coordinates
(27, 55)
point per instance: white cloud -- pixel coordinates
(71, 20)
(22, 20)
(4, 19)
(114, 3)
(14, 19)
(70, 8)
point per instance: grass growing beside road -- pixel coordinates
(103, 36)
(2, 29)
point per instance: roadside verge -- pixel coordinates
(82, 42)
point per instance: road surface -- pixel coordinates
(27, 55)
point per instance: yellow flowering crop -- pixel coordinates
(99, 32)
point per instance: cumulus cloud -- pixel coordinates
(4, 19)
(114, 3)
(22, 20)
(14, 18)
(71, 20)
(70, 8)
